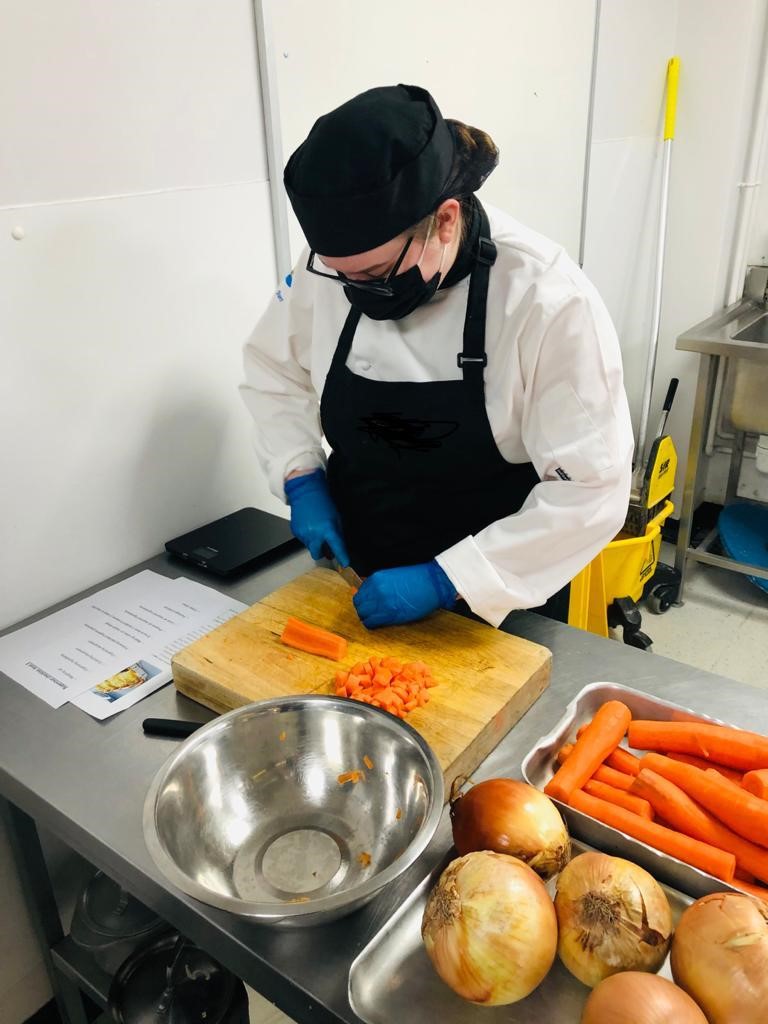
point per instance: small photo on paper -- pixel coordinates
(125, 680)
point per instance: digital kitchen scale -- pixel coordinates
(235, 543)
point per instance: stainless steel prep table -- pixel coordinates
(85, 781)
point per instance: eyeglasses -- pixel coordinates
(376, 286)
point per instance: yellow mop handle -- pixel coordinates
(673, 75)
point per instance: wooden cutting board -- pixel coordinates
(487, 680)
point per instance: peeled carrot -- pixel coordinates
(746, 815)
(735, 748)
(623, 761)
(756, 783)
(598, 740)
(609, 776)
(752, 890)
(681, 812)
(701, 762)
(619, 797)
(313, 639)
(387, 683)
(707, 858)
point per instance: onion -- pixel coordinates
(508, 816)
(490, 929)
(634, 997)
(720, 957)
(613, 916)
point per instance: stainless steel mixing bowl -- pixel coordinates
(253, 814)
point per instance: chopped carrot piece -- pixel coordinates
(313, 640)
(388, 683)
(367, 762)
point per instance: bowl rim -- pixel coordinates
(278, 912)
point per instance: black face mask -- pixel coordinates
(409, 291)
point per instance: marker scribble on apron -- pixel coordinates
(403, 434)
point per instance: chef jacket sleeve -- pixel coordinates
(577, 432)
(278, 389)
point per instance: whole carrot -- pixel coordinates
(756, 783)
(677, 809)
(701, 762)
(620, 759)
(620, 797)
(599, 739)
(747, 815)
(604, 774)
(735, 748)
(707, 858)
(753, 890)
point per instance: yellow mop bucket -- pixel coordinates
(621, 569)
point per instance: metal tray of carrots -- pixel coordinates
(540, 764)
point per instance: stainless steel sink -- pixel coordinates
(756, 332)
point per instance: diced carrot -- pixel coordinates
(392, 664)
(383, 677)
(410, 705)
(367, 762)
(388, 683)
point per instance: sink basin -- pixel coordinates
(757, 332)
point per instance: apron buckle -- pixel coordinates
(461, 359)
(486, 251)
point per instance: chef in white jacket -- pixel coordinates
(464, 373)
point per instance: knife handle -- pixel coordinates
(169, 727)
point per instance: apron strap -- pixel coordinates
(473, 358)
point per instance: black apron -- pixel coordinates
(414, 467)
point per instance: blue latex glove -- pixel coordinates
(314, 519)
(392, 596)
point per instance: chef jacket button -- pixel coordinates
(364, 365)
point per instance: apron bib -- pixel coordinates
(414, 467)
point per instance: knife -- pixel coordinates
(349, 575)
(346, 572)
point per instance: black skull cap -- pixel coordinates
(370, 169)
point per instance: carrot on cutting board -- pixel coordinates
(735, 748)
(387, 683)
(756, 783)
(677, 809)
(604, 774)
(313, 639)
(745, 814)
(620, 797)
(702, 762)
(707, 858)
(599, 739)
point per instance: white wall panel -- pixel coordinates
(102, 97)
(516, 69)
(120, 326)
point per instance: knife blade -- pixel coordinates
(349, 575)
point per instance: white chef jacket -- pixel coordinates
(553, 391)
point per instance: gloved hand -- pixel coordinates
(314, 518)
(391, 596)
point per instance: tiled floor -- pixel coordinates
(722, 626)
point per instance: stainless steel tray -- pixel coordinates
(539, 766)
(393, 979)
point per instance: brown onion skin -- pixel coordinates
(489, 928)
(712, 962)
(603, 927)
(635, 997)
(503, 815)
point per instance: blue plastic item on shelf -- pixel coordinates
(743, 529)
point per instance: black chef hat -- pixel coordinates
(370, 169)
